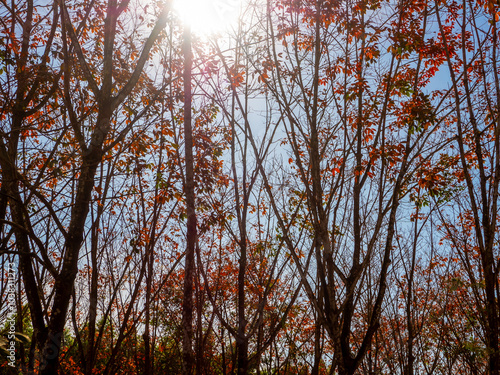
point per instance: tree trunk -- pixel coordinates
(187, 305)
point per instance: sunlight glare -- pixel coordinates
(208, 16)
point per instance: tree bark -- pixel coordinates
(191, 233)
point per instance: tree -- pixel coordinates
(250, 247)
(93, 130)
(187, 306)
(469, 31)
(357, 121)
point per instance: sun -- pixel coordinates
(207, 17)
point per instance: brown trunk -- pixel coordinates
(187, 305)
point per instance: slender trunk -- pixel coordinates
(90, 357)
(147, 342)
(224, 371)
(317, 348)
(187, 305)
(199, 327)
(3, 208)
(241, 339)
(409, 319)
(491, 313)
